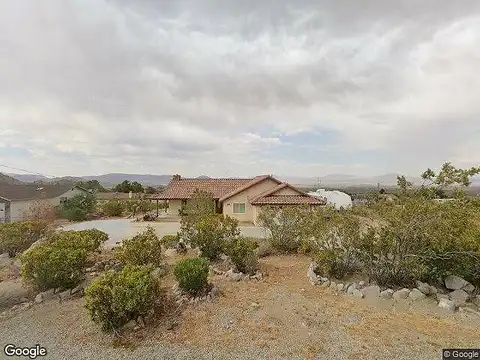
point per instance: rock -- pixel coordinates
(233, 276)
(26, 305)
(476, 300)
(371, 291)
(469, 288)
(351, 288)
(312, 277)
(333, 285)
(214, 292)
(325, 284)
(141, 322)
(459, 297)
(447, 305)
(99, 266)
(255, 305)
(12, 293)
(416, 294)
(401, 294)
(4, 260)
(89, 270)
(39, 298)
(361, 284)
(170, 253)
(442, 296)
(340, 287)
(433, 290)
(130, 325)
(258, 276)
(357, 293)
(217, 271)
(64, 295)
(386, 294)
(424, 287)
(453, 282)
(47, 295)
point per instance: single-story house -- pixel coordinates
(241, 199)
(106, 196)
(15, 200)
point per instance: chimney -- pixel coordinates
(176, 177)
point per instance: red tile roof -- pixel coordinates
(254, 181)
(287, 200)
(275, 190)
(183, 188)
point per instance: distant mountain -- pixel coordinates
(203, 177)
(28, 177)
(10, 180)
(109, 180)
(342, 180)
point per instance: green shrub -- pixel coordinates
(242, 253)
(142, 249)
(90, 239)
(50, 266)
(113, 208)
(17, 237)
(211, 234)
(78, 207)
(286, 227)
(265, 249)
(192, 274)
(170, 241)
(118, 297)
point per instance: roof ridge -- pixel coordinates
(254, 181)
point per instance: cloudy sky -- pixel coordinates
(238, 88)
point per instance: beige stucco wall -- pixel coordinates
(18, 208)
(174, 207)
(243, 198)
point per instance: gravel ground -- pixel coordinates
(282, 317)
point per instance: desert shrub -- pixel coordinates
(40, 210)
(242, 253)
(78, 207)
(265, 249)
(170, 241)
(211, 235)
(17, 237)
(50, 266)
(142, 249)
(118, 297)
(113, 208)
(192, 274)
(200, 205)
(91, 240)
(334, 241)
(286, 227)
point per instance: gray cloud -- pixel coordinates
(138, 85)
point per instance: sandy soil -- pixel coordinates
(282, 316)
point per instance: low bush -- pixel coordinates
(242, 253)
(16, 237)
(170, 241)
(78, 207)
(118, 297)
(91, 240)
(265, 249)
(96, 238)
(286, 227)
(192, 274)
(211, 234)
(50, 266)
(113, 208)
(142, 249)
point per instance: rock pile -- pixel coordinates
(234, 276)
(462, 294)
(184, 298)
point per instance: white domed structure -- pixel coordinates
(339, 200)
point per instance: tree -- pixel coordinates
(126, 186)
(150, 190)
(91, 185)
(78, 207)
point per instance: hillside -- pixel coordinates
(5, 179)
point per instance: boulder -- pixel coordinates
(333, 285)
(47, 295)
(351, 288)
(326, 283)
(371, 291)
(424, 287)
(416, 294)
(401, 294)
(442, 296)
(340, 287)
(234, 276)
(476, 300)
(357, 293)
(386, 294)
(453, 282)
(170, 253)
(459, 297)
(447, 305)
(38, 299)
(312, 277)
(469, 288)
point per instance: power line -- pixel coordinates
(27, 171)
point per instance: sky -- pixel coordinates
(239, 88)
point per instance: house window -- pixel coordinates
(239, 208)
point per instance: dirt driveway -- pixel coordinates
(281, 317)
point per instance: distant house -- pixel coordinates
(15, 200)
(241, 199)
